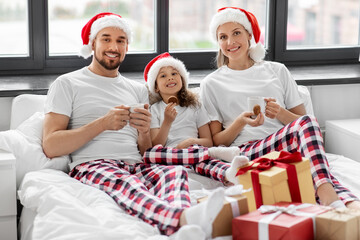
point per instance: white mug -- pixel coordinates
(136, 105)
(256, 100)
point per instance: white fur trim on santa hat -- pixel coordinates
(165, 62)
(256, 51)
(228, 15)
(101, 23)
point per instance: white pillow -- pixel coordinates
(25, 143)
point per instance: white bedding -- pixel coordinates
(68, 209)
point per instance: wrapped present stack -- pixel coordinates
(279, 221)
(277, 177)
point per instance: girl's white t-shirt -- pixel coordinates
(185, 125)
(84, 96)
(224, 94)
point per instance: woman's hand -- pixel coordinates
(245, 118)
(170, 113)
(272, 108)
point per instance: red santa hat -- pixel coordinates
(96, 24)
(163, 60)
(245, 18)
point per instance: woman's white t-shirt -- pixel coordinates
(224, 94)
(84, 96)
(185, 125)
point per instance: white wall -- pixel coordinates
(335, 102)
(5, 109)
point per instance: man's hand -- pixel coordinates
(116, 118)
(141, 119)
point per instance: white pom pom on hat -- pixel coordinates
(163, 60)
(245, 18)
(96, 24)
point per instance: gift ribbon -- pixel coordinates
(275, 211)
(229, 192)
(265, 163)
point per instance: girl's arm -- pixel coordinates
(204, 138)
(285, 116)
(227, 136)
(160, 135)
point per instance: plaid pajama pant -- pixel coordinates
(157, 194)
(195, 156)
(302, 135)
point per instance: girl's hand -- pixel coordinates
(272, 108)
(186, 143)
(170, 113)
(245, 118)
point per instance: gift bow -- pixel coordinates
(265, 163)
(275, 211)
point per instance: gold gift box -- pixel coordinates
(222, 225)
(274, 184)
(338, 224)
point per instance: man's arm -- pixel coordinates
(141, 120)
(58, 140)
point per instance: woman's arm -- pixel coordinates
(227, 136)
(204, 138)
(285, 116)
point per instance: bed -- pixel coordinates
(56, 206)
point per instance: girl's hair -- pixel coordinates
(187, 98)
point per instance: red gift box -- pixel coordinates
(284, 221)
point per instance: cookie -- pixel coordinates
(173, 99)
(257, 109)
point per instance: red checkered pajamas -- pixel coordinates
(302, 135)
(157, 194)
(195, 156)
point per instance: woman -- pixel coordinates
(283, 124)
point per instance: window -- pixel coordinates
(189, 21)
(14, 32)
(323, 24)
(43, 37)
(67, 17)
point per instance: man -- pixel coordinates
(87, 116)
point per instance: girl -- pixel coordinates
(179, 129)
(241, 73)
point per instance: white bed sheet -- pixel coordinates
(63, 208)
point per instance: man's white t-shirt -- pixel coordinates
(185, 125)
(84, 96)
(224, 94)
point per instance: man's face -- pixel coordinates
(110, 47)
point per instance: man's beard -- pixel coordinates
(111, 65)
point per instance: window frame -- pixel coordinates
(39, 61)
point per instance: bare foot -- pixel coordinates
(327, 194)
